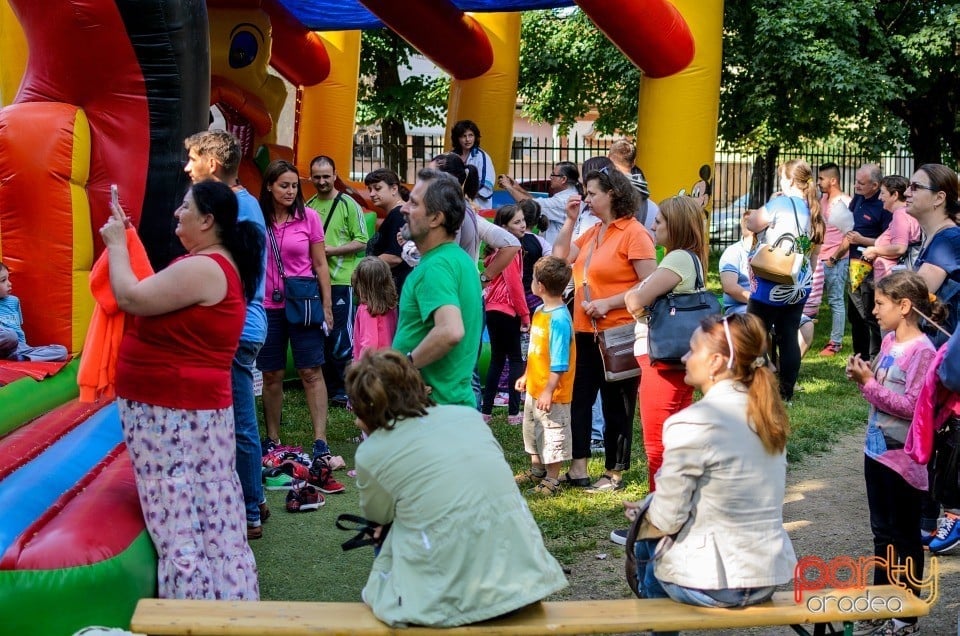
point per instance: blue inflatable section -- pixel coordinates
(336, 15)
(29, 491)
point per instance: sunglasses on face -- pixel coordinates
(913, 185)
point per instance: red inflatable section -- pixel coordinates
(420, 22)
(652, 33)
(85, 58)
(46, 237)
(98, 518)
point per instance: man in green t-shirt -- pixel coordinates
(345, 240)
(440, 306)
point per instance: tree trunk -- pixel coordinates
(395, 146)
(393, 130)
(764, 177)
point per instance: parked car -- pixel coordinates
(725, 222)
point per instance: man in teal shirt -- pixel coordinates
(345, 240)
(440, 307)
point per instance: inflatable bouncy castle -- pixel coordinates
(101, 92)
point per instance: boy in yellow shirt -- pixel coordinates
(548, 380)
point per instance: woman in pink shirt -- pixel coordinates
(904, 230)
(295, 239)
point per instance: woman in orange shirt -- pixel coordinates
(608, 260)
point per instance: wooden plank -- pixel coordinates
(159, 617)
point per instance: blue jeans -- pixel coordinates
(596, 431)
(834, 292)
(651, 587)
(245, 423)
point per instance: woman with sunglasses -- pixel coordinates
(932, 200)
(679, 228)
(608, 260)
(720, 492)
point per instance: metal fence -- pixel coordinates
(742, 178)
(531, 158)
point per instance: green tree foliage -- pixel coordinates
(568, 67)
(874, 72)
(384, 98)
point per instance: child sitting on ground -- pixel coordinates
(13, 342)
(548, 380)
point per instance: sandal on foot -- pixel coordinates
(574, 482)
(547, 486)
(529, 478)
(606, 484)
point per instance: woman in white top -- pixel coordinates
(713, 532)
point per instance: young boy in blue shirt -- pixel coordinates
(13, 342)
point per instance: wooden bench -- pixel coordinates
(159, 617)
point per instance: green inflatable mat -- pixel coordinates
(26, 398)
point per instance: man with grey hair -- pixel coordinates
(441, 309)
(869, 221)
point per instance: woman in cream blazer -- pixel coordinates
(714, 526)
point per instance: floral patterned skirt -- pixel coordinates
(185, 469)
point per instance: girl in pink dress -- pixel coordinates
(376, 319)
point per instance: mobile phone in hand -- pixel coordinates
(114, 195)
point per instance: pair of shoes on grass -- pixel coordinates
(304, 497)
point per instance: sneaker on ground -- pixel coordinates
(926, 538)
(864, 628)
(264, 512)
(515, 420)
(322, 477)
(281, 454)
(267, 446)
(295, 469)
(596, 447)
(893, 627)
(619, 536)
(948, 535)
(832, 349)
(486, 417)
(501, 399)
(304, 498)
(254, 532)
(276, 479)
(340, 400)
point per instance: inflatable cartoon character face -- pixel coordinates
(249, 98)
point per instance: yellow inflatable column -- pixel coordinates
(13, 54)
(327, 112)
(677, 115)
(490, 99)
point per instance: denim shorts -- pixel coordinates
(306, 343)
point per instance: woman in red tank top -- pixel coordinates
(173, 387)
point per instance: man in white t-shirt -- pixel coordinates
(563, 184)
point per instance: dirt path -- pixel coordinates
(825, 512)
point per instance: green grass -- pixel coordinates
(300, 556)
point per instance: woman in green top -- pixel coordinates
(462, 545)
